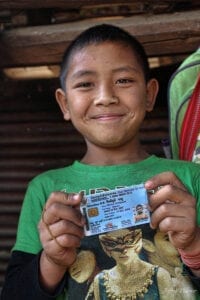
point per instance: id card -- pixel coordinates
(115, 209)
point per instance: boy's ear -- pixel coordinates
(152, 91)
(62, 102)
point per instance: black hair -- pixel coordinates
(99, 34)
(139, 206)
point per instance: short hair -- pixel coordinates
(139, 206)
(99, 34)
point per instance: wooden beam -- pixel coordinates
(71, 4)
(35, 4)
(164, 34)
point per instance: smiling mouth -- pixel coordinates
(105, 117)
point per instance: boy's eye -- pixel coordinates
(83, 85)
(124, 81)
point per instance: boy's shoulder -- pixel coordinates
(177, 163)
(52, 175)
(184, 170)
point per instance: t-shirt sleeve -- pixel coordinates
(22, 279)
(27, 233)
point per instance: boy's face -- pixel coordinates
(106, 94)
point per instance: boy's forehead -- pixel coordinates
(110, 54)
(109, 48)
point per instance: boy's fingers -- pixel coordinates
(65, 198)
(64, 227)
(58, 211)
(171, 194)
(169, 217)
(165, 178)
(61, 205)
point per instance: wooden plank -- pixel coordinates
(71, 4)
(163, 34)
(31, 4)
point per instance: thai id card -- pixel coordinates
(115, 209)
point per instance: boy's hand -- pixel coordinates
(61, 228)
(174, 211)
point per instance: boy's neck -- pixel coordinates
(112, 156)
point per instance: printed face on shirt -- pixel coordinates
(122, 244)
(106, 94)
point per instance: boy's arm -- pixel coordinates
(191, 255)
(22, 279)
(60, 231)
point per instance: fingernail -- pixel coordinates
(148, 184)
(75, 196)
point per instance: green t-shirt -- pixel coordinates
(160, 258)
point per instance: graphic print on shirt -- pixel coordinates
(143, 269)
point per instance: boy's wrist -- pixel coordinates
(190, 260)
(51, 273)
(191, 254)
(53, 262)
(193, 249)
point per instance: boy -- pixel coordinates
(106, 92)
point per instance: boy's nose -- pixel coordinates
(106, 97)
(106, 100)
